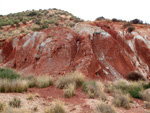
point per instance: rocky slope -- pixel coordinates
(100, 49)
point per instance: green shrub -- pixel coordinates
(94, 89)
(6, 73)
(15, 103)
(76, 78)
(32, 14)
(130, 29)
(104, 108)
(69, 91)
(44, 81)
(44, 26)
(146, 85)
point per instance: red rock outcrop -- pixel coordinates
(98, 49)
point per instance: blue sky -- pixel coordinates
(85, 9)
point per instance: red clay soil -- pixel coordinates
(52, 93)
(104, 49)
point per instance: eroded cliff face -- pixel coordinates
(98, 49)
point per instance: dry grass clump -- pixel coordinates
(121, 100)
(105, 108)
(44, 81)
(17, 85)
(145, 95)
(31, 80)
(2, 107)
(70, 90)
(56, 107)
(30, 97)
(15, 103)
(94, 89)
(76, 77)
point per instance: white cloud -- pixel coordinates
(85, 9)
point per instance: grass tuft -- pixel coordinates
(57, 107)
(105, 108)
(70, 90)
(94, 89)
(15, 103)
(76, 78)
(44, 81)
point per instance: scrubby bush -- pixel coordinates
(147, 105)
(146, 85)
(31, 80)
(94, 89)
(32, 14)
(135, 76)
(115, 20)
(69, 91)
(133, 88)
(130, 29)
(105, 108)
(2, 107)
(6, 73)
(76, 78)
(57, 107)
(145, 95)
(15, 103)
(44, 81)
(137, 21)
(121, 100)
(126, 24)
(100, 18)
(44, 26)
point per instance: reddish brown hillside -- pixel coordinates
(98, 49)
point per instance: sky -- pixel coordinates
(85, 9)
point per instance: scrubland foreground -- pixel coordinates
(71, 93)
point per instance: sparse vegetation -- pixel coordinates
(70, 90)
(94, 89)
(44, 81)
(76, 78)
(15, 103)
(57, 107)
(105, 108)
(35, 17)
